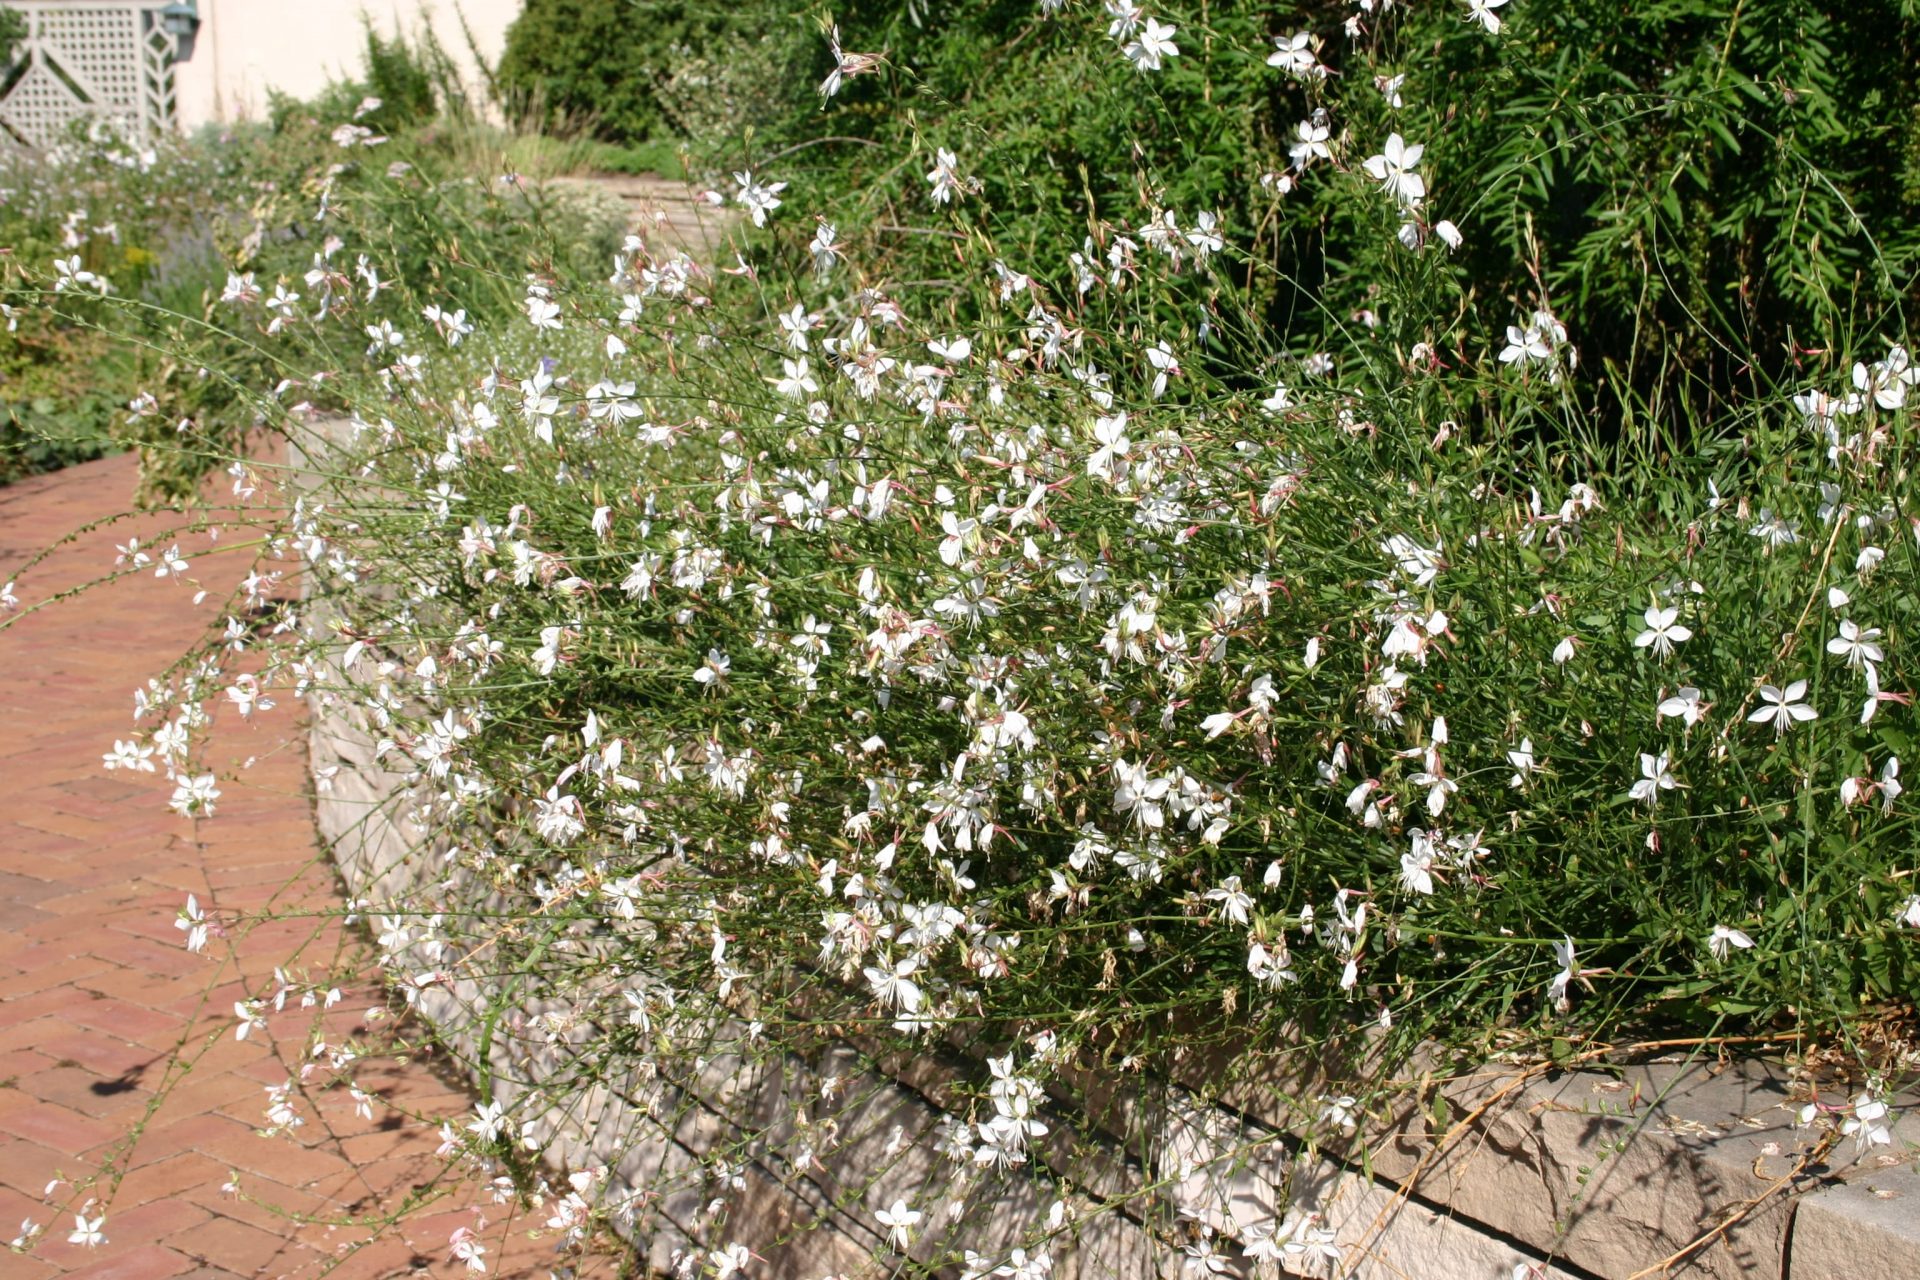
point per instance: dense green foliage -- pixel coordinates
(13, 29)
(1695, 187)
(600, 65)
(55, 408)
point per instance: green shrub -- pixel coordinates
(1693, 187)
(411, 78)
(633, 71)
(599, 65)
(13, 29)
(55, 407)
(775, 680)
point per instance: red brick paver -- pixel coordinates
(117, 1046)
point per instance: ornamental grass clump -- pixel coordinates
(919, 743)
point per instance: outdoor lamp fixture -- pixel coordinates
(181, 18)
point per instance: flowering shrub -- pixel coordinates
(1663, 174)
(1047, 674)
(112, 217)
(152, 245)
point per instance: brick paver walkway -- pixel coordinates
(97, 991)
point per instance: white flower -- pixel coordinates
(1416, 867)
(1783, 706)
(1271, 967)
(1165, 364)
(1234, 901)
(1295, 55)
(1111, 433)
(799, 382)
(1774, 530)
(961, 536)
(1540, 341)
(1889, 784)
(1724, 937)
(846, 65)
(1564, 953)
(944, 176)
(1482, 12)
(88, 1232)
(543, 311)
(1204, 1257)
(194, 797)
(794, 324)
(492, 1118)
(1663, 631)
(194, 923)
(713, 671)
(69, 274)
(241, 290)
(1311, 141)
(825, 249)
(1857, 645)
(1655, 777)
(1394, 167)
(1885, 380)
(1153, 43)
(463, 1246)
(1421, 564)
(759, 199)
(899, 1219)
(251, 1018)
(557, 818)
(1684, 703)
(894, 986)
(1523, 762)
(129, 755)
(730, 1261)
(1871, 1123)
(1819, 409)
(451, 325)
(1438, 786)
(1305, 1241)
(1874, 695)
(1339, 1111)
(1205, 236)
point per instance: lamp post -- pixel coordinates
(181, 18)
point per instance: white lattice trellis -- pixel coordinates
(88, 59)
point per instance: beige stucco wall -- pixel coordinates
(246, 47)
